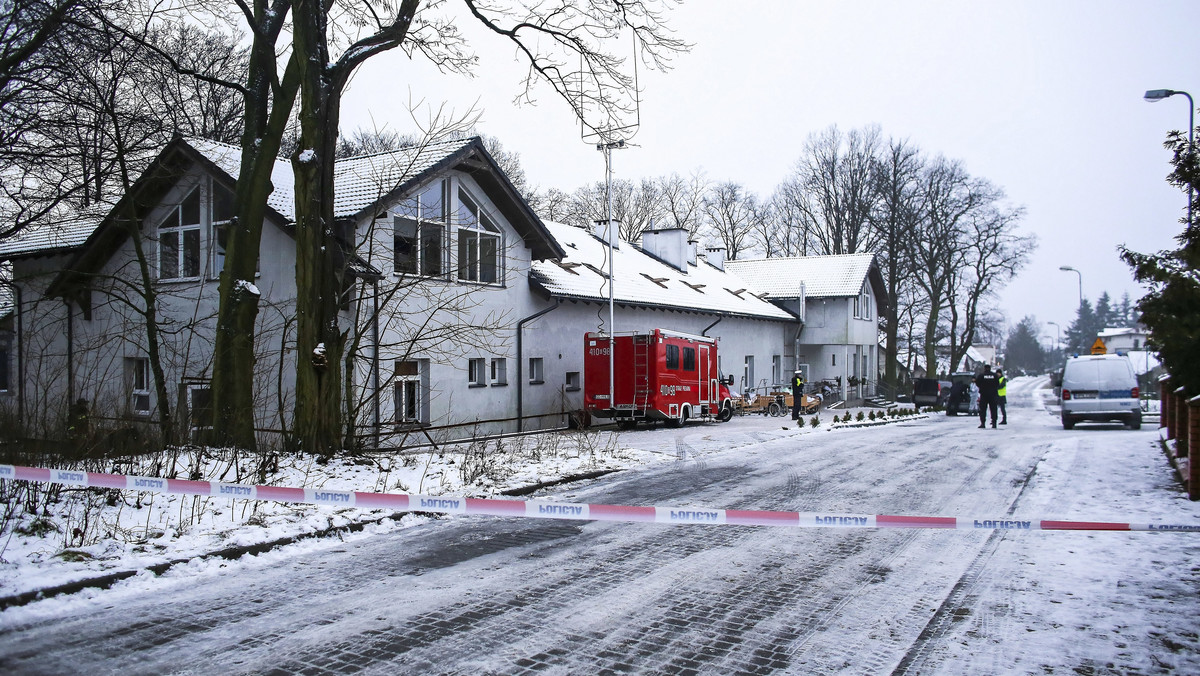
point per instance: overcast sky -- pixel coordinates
(1043, 98)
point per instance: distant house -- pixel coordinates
(839, 299)
(1120, 340)
(977, 356)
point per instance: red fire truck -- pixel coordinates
(660, 375)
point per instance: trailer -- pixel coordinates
(659, 375)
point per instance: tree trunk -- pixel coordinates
(319, 340)
(267, 110)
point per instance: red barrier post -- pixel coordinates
(1166, 406)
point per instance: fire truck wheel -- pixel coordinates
(726, 413)
(678, 422)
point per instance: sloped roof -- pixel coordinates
(363, 181)
(51, 237)
(821, 276)
(360, 182)
(228, 158)
(644, 280)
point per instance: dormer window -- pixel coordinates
(419, 229)
(179, 240)
(478, 242)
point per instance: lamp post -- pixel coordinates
(1057, 334)
(1068, 268)
(1155, 95)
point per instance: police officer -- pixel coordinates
(797, 393)
(988, 384)
(1002, 396)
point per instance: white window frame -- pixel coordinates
(425, 213)
(186, 238)
(477, 372)
(536, 370)
(573, 382)
(139, 385)
(478, 235)
(217, 221)
(777, 369)
(409, 391)
(498, 373)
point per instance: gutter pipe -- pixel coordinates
(520, 361)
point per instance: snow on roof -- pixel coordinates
(362, 181)
(1143, 361)
(805, 276)
(644, 280)
(53, 236)
(229, 159)
(1112, 332)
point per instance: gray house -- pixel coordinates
(839, 299)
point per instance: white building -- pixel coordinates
(839, 299)
(465, 313)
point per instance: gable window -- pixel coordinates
(478, 243)
(139, 380)
(179, 240)
(223, 213)
(410, 395)
(419, 228)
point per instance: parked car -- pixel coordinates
(1100, 388)
(963, 398)
(930, 392)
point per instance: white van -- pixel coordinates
(1100, 388)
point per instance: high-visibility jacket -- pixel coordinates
(1003, 391)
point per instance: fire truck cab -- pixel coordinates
(659, 375)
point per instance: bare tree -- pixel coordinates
(682, 201)
(550, 38)
(897, 182)
(732, 214)
(832, 191)
(992, 254)
(948, 195)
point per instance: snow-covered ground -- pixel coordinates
(78, 533)
(485, 595)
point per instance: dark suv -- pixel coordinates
(929, 392)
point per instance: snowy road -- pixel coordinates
(475, 595)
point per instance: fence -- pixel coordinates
(1180, 423)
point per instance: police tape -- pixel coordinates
(537, 509)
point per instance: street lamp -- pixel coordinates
(1155, 95)
(1057, 334)
(1068, 268)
